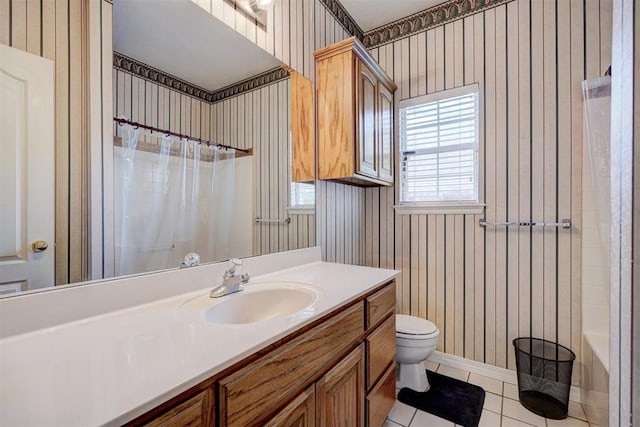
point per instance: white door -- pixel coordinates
(26, 171)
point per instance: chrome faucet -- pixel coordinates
(232, 281)
(192, 259)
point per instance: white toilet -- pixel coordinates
(416, 339)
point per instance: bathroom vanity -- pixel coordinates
(175, 361)
(340, 368)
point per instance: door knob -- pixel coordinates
(39, 246)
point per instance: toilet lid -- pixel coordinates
(412, 325)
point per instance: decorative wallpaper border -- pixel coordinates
(137, 68)
(252, 83)
(344, 18)
(429, 18)
(147, 72)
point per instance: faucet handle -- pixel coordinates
(234, 265)
(191, 259)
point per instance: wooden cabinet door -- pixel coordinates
(382, 397)
(301, 412)
(385, 134)
(303, 142)
(199, 411)
(366, 109)
(340, 393)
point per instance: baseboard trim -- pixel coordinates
(495, 372)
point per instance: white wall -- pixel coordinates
(594, 366)
(595, 259)
(243, 209)
(594, 390)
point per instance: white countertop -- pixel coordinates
(110, 368)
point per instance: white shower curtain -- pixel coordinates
(172, 197)
(597, 117)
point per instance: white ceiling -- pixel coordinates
(180, 38)
(370, 14)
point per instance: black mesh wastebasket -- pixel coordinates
(544, 376)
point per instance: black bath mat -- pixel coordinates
(448, 398)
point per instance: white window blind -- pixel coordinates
(439, 147)
(302, 194)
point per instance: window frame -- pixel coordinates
(300, 209)
(444, 206)
(294, 208)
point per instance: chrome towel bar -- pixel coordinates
(273, 221)
(566, 223)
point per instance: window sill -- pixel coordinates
(453, 208)
(302, 210)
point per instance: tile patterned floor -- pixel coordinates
(501, 407)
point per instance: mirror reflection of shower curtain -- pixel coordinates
(172, 200)
(597, 117)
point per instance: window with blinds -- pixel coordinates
(302, 195)
(439, 147)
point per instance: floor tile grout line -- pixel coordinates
(412, 418)
(523, 422)
(502, 401)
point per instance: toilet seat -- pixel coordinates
(412, 327)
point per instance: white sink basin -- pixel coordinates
(257, 303)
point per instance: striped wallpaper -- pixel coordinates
(340, 208)
(63, 30)
(260, 120)
(295, 30)
(57, 29)
(484, 287)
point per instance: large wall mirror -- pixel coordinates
(177, 70)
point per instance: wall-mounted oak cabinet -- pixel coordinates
(354, 116)
(303, 146)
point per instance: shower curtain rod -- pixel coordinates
(178, 135)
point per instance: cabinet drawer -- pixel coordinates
(380, 304)
(197, 411)
(382, 397)
(381, 350)
(254, 392)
